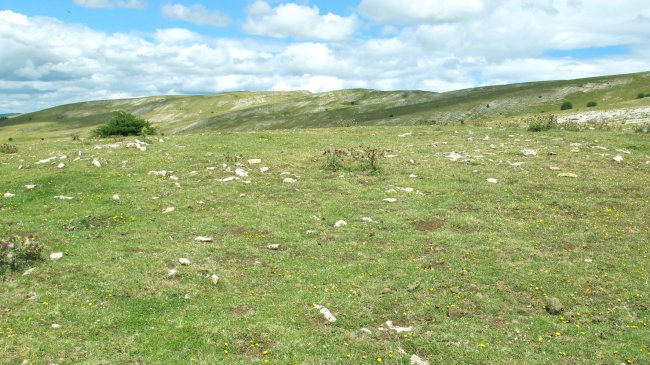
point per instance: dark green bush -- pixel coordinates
(124, 124)
(8, 148)
(18, 252)
(566, 105)
(641, 96)
(591, 104)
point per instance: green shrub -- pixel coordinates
(566, 105)
(538, 123)
(641, 95)
(570, 126)
(8, 148)
(642, 128)
(124, 124)
(18, 252)
(591, 104)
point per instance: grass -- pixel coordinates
(469, 264)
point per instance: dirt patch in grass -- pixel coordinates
(429, 225)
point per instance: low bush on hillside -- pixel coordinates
(642, 128)
(570, 126)
(125, 124)
(566, 105)
(8, 148)
(18, 252)
(363, 158)
(592, 104)
(642, 95)
(541, 122)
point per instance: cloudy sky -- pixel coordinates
(60, 51)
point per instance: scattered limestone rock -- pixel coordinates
(618, 158)
(568, 174)
(241, 172)
(367, 220)
(254, 161)
(554, 306)
(63, 197)
(264, 169)
(184, 261)
(172, 273)
(56, 255)
(289, 180)
(366, 331)
(326, 313)
(416, 360)
(398, 329)
(516, 164)
(203, 239)
(30, 186)
(9, 195)
(215, 279)
(60, 165)
(168, 210)
(390, 200)
(554, 168)
(413, 176)
(96, 162)
(492, 180)
(28, 271)
(273, 247)
(116, 197)
(231, 178)
(529, 152)
(340, 223)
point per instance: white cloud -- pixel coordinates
(196, 14)
(297, 21)
(423, 11)
(48, 62)
(105, 4)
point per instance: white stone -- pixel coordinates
(529, 152)
(173, 177)
(264, 169)
(116, 197)
(407, 190)
(241, 172)
(203, 239)
(273, 247)
(618, 158)
(405, 134)
(169, 210)
(492, 180)
(30, 186)
(215, 279)
(326, 313)
(63, 197)
(60, 165)
(390, 200)
(413, 176)
(340, 223)
(96, 162)
(366, 331)
(416, 360)
(567, 174)
(398, 329)
(289, 180)
(160, 173)
(254, 161)
(227, 179)
(184, 261)
(367, 219)
(56, 255)
(9, 195)
(28, 271)
(516, 164)
(172, 273)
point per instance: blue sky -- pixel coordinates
(57, 52)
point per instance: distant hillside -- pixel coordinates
(7, 115)
(241, 111)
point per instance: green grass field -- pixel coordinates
(467, 263)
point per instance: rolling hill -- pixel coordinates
(245, 111)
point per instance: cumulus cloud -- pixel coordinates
(424, 11)
(298, 21)
(105, 4)
(196, 14)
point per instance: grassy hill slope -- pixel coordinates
(300, 109)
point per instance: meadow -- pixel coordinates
(458, 235)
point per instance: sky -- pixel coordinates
(62, 51)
